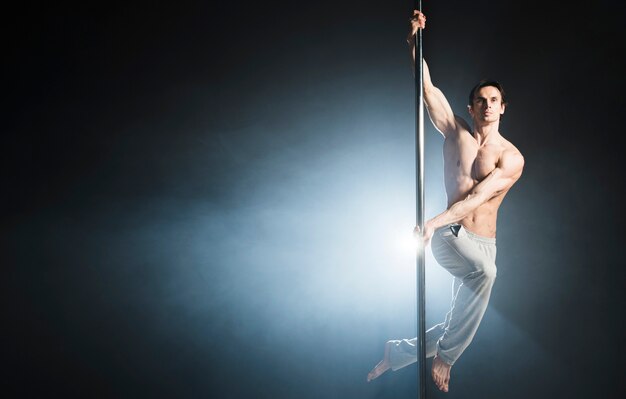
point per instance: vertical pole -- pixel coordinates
(419, 180)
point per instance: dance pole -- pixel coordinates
(419, 199)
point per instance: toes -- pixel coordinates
(436, 380)
(376, 372)
(446, 382)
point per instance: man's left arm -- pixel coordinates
(498, 181)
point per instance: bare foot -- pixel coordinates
(382, 366)
(441, 374)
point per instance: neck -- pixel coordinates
(483, 132)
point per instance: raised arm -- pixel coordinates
(437, 105)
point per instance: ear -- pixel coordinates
(503, 108)
(469, 110)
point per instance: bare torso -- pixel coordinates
(466, 163)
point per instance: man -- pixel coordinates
(480, 167)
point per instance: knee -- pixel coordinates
(487, 270)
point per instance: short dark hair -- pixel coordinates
(484, 83)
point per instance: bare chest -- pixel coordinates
(485, 161)
(470, 163)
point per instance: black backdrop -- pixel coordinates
(150, 150)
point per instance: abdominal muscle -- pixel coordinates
(482, 221)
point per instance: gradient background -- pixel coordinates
(209, 200)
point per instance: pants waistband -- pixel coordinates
(473, 236)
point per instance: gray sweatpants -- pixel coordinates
(470, 259)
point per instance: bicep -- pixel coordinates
(501, 178)
(439, 111)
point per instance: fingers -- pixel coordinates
(418, 16)
(417, 21)
(417, 234)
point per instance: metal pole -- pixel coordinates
(419, 180)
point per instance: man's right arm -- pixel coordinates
(437, 105)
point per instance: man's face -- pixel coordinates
(487, 105)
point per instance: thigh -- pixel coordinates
(456, 252)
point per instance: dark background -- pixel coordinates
(195, 197)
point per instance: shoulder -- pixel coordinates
(462, 125)
(460, 129)
(511, 160)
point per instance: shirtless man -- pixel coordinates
(480, 167)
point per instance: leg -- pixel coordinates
(440, 371)
(471, 260)
(401, 353)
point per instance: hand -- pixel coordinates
(428, 233)
(417, 21)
